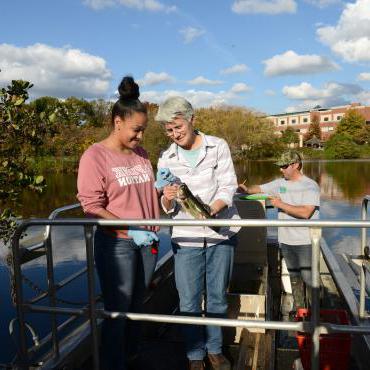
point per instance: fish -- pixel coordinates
(193, 205)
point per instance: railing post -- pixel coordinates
(52, 293)
(315, 234)
(89, 234)
(22, 350)
(361, 308)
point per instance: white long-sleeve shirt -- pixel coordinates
(213, 177)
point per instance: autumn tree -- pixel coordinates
(351, 124)
(155, 139)
(314, 129)
(363, 135)
(242, 129)
(100, 112)
(289, 136)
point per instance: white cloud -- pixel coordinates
(99, 4)
(306, 91)
(270, 92)
(191, 33)
(291, 63)
(322, 3)
(364, 97)
(264, 6)
(200, 80)
(365, 76)
(150, 5)
(240, 87)
(295, 108)
(350, 38)
(152, 78)
(59, 72)
(237, 68)
(199, 98)
(331, 94)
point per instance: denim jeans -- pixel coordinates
(203, 272)
(298, 260)
(125, 271)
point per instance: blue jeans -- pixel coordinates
(125, 271)
(298, 260)
(198, 272)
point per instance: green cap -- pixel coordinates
(289, 157)
(173, 107)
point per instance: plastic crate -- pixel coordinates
(335, 348)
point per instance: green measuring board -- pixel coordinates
(254, 197)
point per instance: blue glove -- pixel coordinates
(164, 178)
(142, 237)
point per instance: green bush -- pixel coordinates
(365, 151)
(310, 153)
(341, 146)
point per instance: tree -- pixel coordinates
(244, 130)
(101, 112)
(341, 146)
(352, 123)
(363, 135)
(314, 129)
(289, 136)
(22, 131)
(155, 139)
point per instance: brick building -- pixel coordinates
(329, 119)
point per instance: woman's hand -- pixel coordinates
(143, 237)
(170, 192)
(164, 178)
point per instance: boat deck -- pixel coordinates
(255, 293)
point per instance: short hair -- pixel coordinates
(173, 107)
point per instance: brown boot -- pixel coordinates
(219, 361)
(196, 365)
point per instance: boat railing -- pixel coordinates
(93, 313)
(365, 257)
(44, 247)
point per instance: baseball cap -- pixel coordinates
(289, 157)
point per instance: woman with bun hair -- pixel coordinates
(115, 180)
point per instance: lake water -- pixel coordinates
(343, 185)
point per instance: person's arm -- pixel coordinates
(91, 183)
(103, 213)
(303, 211)
(91, 190)
(226, 179)
(217, 206)
(250, 189)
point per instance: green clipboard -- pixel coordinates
(254, 197)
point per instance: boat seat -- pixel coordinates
(251, 251)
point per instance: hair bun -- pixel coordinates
(128, 89)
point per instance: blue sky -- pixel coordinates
(268, 55)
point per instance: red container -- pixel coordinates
(335, 348)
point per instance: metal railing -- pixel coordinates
(92, 313)
(364, 254)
